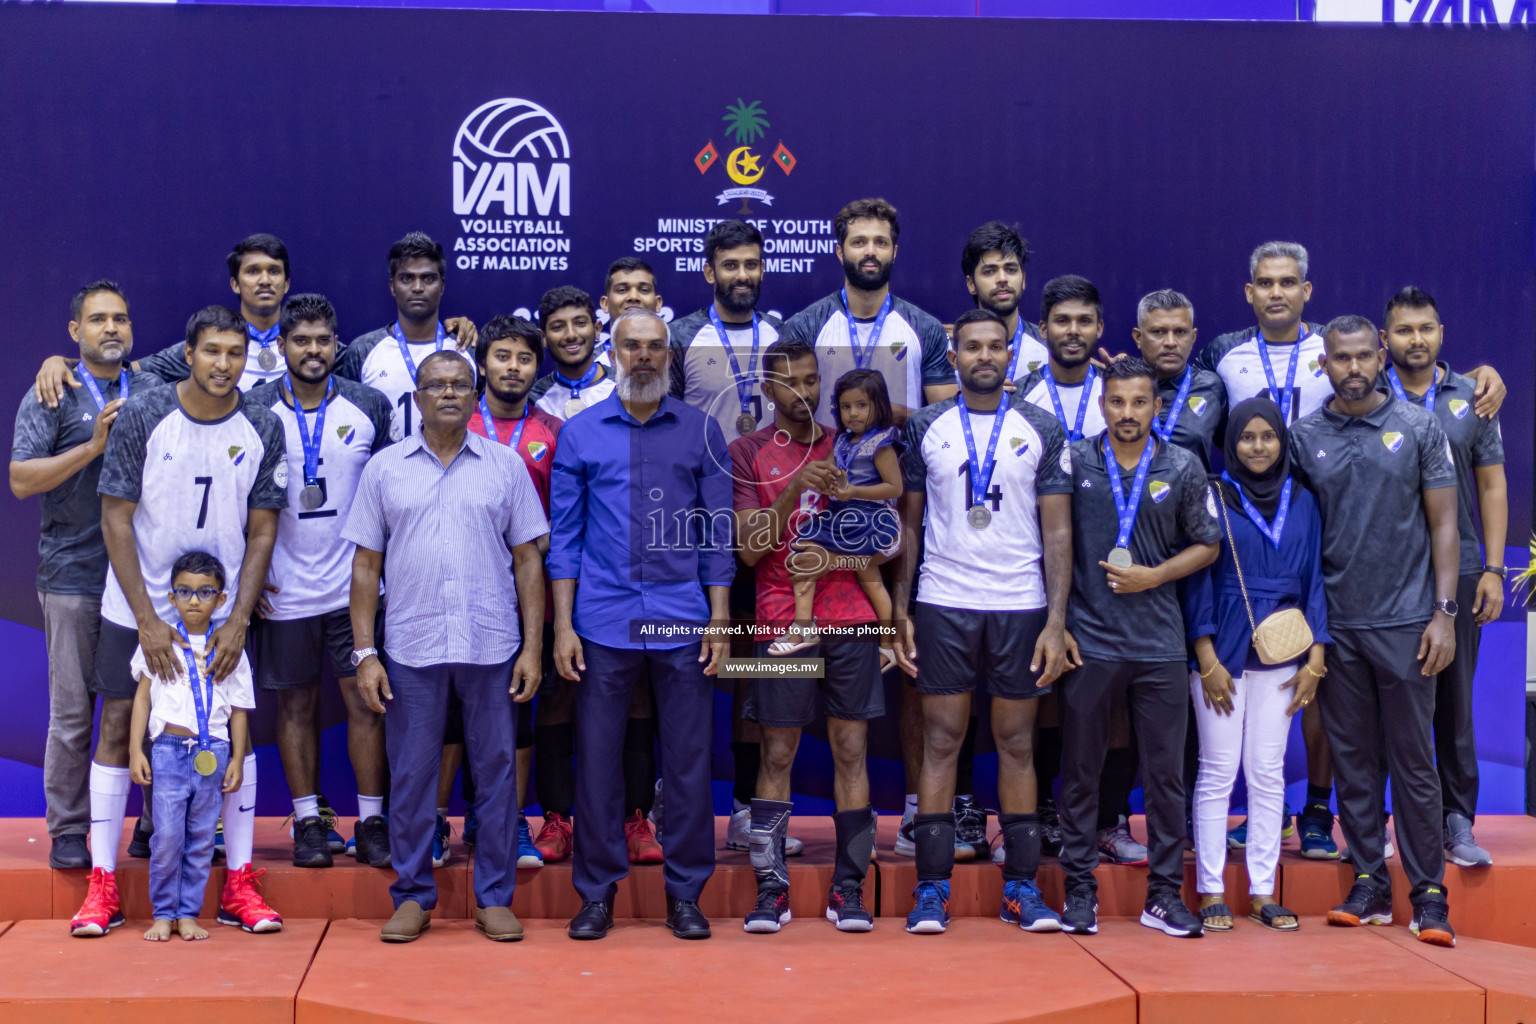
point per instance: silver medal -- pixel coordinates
(311, 497)
(266, 360)
(979, 516)
(574, 406)
(1120, 558)
(745, 424)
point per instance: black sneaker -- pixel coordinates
(333, 838)
(970, 830)
(371, 842)
(69, 851)
(1432, 923)
(1050, 829)
(1080, 913)
(1365, 904)
(138, 846)
(845, 908)
(771, 912)
(310, 850)
(1168, 914)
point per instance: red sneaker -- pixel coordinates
(554, 839)
(101, 911)
(242, 906)
(641, 840)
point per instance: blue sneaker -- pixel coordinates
(528, 855)
(1024, 906)
(440, 836)
(333, 838)
(1237, 838)
(472, 827)
(1287, 823)
(1316, 823)
(931, 914)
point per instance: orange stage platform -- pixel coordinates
(329, 966)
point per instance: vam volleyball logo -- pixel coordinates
(511, 187)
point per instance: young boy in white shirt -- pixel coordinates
(192, 724)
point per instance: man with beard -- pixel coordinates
(629, 284)
(625, 600)
(1142, 519)
(569, 322)
(386, 359)
(57, 453)
(992, 264)
(991, 605)
(452, 520)
(192, 463)
(508, 355)
(1194, 400)
(1068, 386)
(1413, 334)
(863, 326)
(331, 426)
(1381, 469)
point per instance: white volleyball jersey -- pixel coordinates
(552, 396)
(1037, 392)
(375, 360)
(1235, 358)
(909, 354)
(704, 377)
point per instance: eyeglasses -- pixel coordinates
(439, 390)
(204, 594)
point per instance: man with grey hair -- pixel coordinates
(1381, 469)
(641, 564)
(1194, 400)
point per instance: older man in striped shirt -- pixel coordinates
(453, 522)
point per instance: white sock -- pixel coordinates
(910, 810)
(306, 807)
(109, 802)
(369, 807)
(240, 818)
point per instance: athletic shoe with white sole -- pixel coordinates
(1024, 906)
(1460, 848)
(771, 912)
(1166, 912)
(930, 915)
(845, 908)
(1365, 904)
(1118, 846)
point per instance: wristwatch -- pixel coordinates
(1501, 571)
(1446, 605)
(359, 656)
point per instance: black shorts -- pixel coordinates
(289, 654)
(958, 648)
(850, 688)
(113, 677)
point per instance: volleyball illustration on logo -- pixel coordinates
(513, 153)
(507, 129)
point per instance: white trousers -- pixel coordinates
(1255, 734)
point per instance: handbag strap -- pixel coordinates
(1232, 545)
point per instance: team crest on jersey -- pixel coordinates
(1393, 440)
(1158, 490)
(1316, 367)
(345, 433)
(1018, 445)
(537, 450)
(899, 349)
(1198, 404)
(236, 454)
(1459, 408)
(280, 474)
(1032, 365)
(1210, 504)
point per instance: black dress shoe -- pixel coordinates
(592, 921)
(138, 846)
(686, 920)
(69, 851)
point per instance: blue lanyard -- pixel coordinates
(862, 357)
(489, 423)
(743, 383)
(1281, 398)
(1127, 508)
(1073, 433)
(1166, 430)
(405, 350)
(981, 471)
(95, 390)
(311, 442)
(575, 386)
(1397, 389)
(266, 338)
(1018, 351)
(1272, 532)
(204, 709)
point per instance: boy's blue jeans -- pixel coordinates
(186, 814)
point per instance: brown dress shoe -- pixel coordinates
(498, 923)
(407, 924)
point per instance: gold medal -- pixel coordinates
(206, 762)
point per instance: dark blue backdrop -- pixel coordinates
(140, 143)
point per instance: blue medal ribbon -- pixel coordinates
(862, 357)
(575, 386)
(1272, 532)
(1074, 433)
(203, 708)
(95, 389)
(1165, 430)
(1402, 393)
(1018, 350)
(981, 471)
(439, 340)
(266, 338)
(1281, 398)
(311, 442)
(743, 384)
(489, 423)
(1127, 508)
